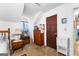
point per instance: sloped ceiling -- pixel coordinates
(14, 11)
(11, 11)
(32, 8)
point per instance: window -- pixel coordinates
(24, 26)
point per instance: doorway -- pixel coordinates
(76, 31)
(51, 26)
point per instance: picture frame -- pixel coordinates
(64, 20)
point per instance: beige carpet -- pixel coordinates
(35, 50)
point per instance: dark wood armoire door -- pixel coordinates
(51, 26)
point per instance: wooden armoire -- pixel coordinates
(38, 37)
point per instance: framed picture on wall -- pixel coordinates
(64, 20)
(42, 26)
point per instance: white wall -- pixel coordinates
(11, 25)
(64, 11)
(31, 27)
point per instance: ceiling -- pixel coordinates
(30, 9)
(14, 11)
(11, 11)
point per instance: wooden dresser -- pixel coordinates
(38, 37)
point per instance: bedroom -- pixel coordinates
(16, 17)
(11, 18)
(33, 29)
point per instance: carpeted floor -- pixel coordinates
(35, 50)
